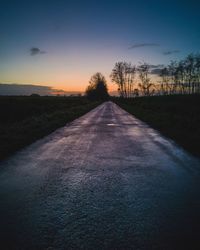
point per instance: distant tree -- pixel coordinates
(190, 72)
(173, 74)
(123, 75)
(145, 84)
(97, 88)
(181, 77)
(165, 81)
(197, 73)
(136, 92)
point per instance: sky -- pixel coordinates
(61, 44)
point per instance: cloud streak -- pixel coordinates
(36, 51)
(142, 45)
(156, 69)
(170, 52)
(29, 89)
(153, 66)
(24, 89)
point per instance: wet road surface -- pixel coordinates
(104, 181)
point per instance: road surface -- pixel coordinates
(104, 181)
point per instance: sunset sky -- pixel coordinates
(62, 43)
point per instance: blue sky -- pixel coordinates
(74, 39)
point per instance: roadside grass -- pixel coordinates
(25, 119)
(177, 117)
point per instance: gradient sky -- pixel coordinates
(75, 39)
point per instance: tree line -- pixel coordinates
(179, 77)
(182, 77)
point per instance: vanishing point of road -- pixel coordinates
(104, 181)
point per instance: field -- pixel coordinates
(177, 117)
(25, 119)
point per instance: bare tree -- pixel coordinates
(190, 72)
(123, 75)
(179, 77)
(197, 73)
(145, 85)
(165, 80)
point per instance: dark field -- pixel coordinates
(25, 119)
(177, 117)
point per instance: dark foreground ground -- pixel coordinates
(104, 181)
(177, 117)
(24, 119)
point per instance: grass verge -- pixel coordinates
(177, 117)
(26, 119)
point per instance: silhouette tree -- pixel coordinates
(182, 77)
(123, 75)
(136, 92)
(197, 73)
(97, 88)
(164, 86)
(190, 72)
(179, 77)
(145, 85)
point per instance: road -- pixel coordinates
(104, 181)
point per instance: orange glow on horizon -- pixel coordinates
(79, 87)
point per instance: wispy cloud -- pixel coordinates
(156, 69)
(170, 52)
(36, 51)
(141, 45)
(157, 66)
(24, 89)
(29, 89)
